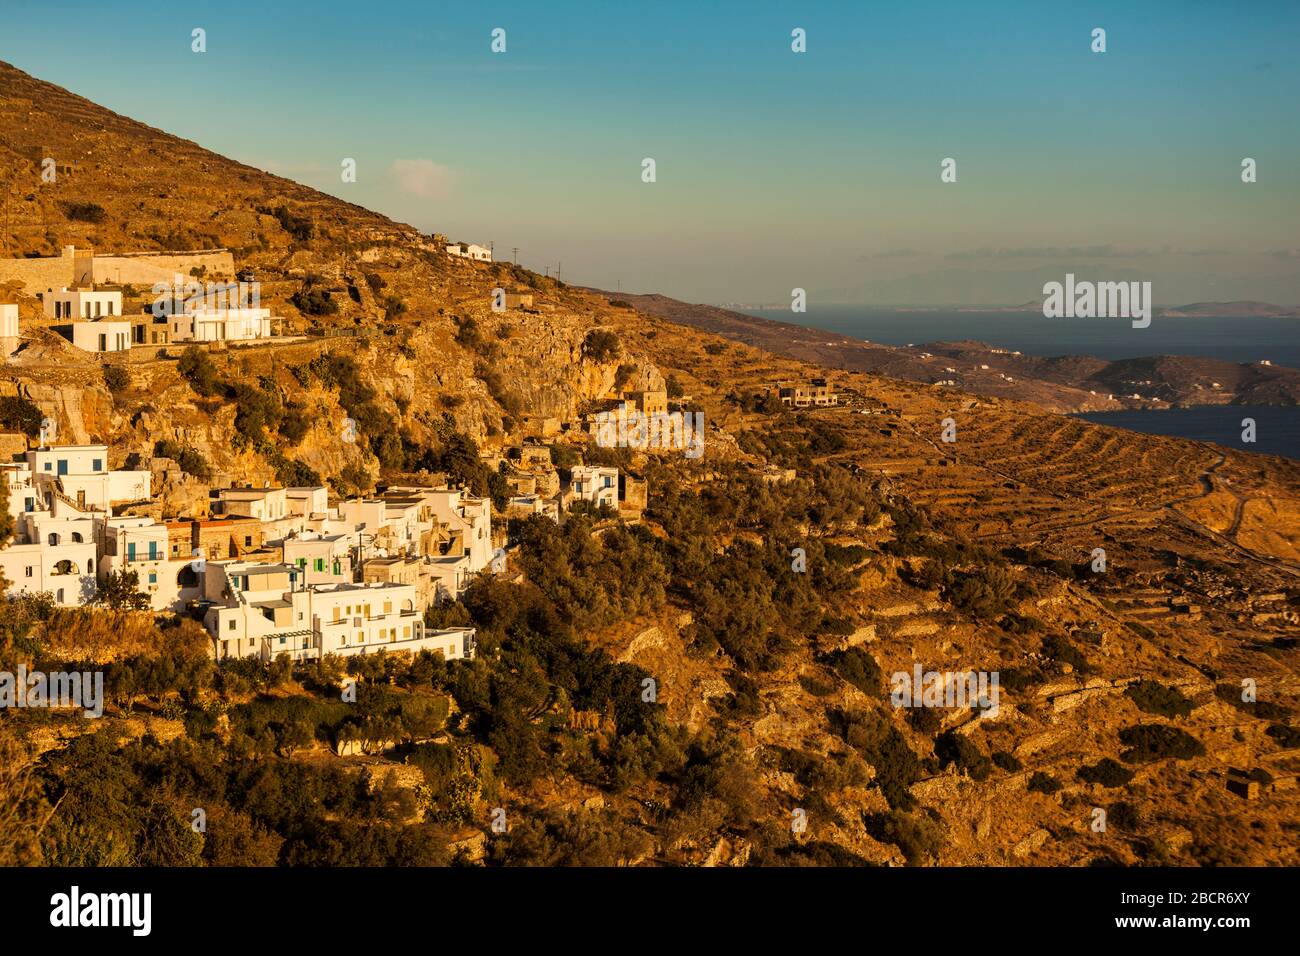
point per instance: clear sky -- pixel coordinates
(775, 169)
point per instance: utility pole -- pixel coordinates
(515, 254)
(558, 269)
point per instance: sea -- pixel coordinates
(1254, 339)
(1251, 339)
(1277, 428)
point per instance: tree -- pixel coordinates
(198, 369)
(116, 378)
(121, 592)
(600, 345)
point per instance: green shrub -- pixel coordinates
(190, 461)
(1287, 737)
(1149, 742)
(116, 378)
(954, 748)
(860, 669)
(885, 748)
(918, 836)
(600, 345)
(84, 212)
(196, 367)
(1107, 772)
(1155, 698)
(18, 414)
(1041, 782)
(1006, 761)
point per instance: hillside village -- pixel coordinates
(552, 497)
(298, 571)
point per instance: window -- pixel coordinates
(248, 540)
(97, 464)
(29, 571)
(318, 564)
(76, 537)
(103, 342)
(153, 577)
(231, 625)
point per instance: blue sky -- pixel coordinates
(775, 169)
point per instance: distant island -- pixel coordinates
(1230, 310)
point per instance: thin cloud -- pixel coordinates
(422, 177)
(892, 254)
(1102, 251)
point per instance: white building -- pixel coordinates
(320, 559)
(595, 483)
(81, 304)
(264, 610)
(308, 502)
(467, 250)
(102, 336)
(81, 473)
(525, 506)
(54, 547)
(469, 520)
(199, 324)
(139, 544)
(264, 504)
(451, 574)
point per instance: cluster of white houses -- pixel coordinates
(274, 570)
(92, 320)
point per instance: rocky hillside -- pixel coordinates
(1122, 688)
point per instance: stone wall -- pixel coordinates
(82, 267)
(148, 269)
(37, 275)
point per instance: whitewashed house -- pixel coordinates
(322, 559)
(264, 504)
(467, 250)
(265, 610)
(81, 473)
(595, 483)
(81, 304)
(53, 548)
